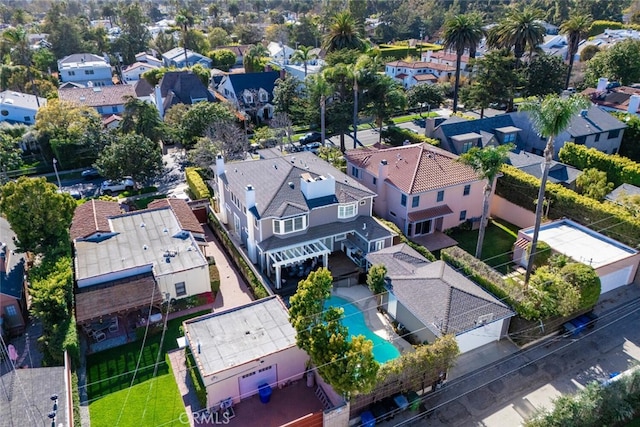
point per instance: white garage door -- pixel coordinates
(250, 381)
(479, 336)
(610, 281)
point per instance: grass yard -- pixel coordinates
(498, 243)
(109, 375)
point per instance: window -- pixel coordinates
(289, 225)
(423, 227)
(510, 137)
(392, 213)
(580, 140)
(467, 190)
(440, 196)
(415, 202)
(597, 137)
(4, 112)
(463, 215)
(614, 134)
(27, 118)
(347, 211)
(466, 146)
(181, 289)
(375, 180)
(72, 73)
(264, 97)
(11, 310)
(403, 200)
(88, 71)
(114, 109)
(355, 172)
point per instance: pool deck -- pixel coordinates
(365, 301)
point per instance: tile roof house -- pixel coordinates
(250, 92)
(85, 68)
(432, 299)
(18, 107)
(132, 73)
(179, 87)
(106, 100)
(148, 58)
(127, 262)
(421, 188)
(620, 99)
(409, 74)
(293, 209)
(593, 128)
(175, 58)
(458, 135)
(13, 286)
(238, 50)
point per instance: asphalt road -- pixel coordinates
(509, 391)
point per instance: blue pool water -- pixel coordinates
(383, 350)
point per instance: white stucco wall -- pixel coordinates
(196, 281)
(480, 336)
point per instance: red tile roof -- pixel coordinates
(414, 168)
(434, 212)
(92, 217)
(185, 216)
(420, 64)
(98, 96)
(425, 77)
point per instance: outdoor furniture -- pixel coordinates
(113, 327)
(99, 336)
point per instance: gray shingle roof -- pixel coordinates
(622, 191)
(271, 179)
(594, 121)
(485, 127)
(181, 87)
(532, 164)
(265, 80)
(11, 282)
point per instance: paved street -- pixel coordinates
(509, 391)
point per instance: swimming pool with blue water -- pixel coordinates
(383, 350)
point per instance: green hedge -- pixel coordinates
(198, 385)
(396, 136)
(608, 218)
(258, 288)
(598, 27)
(398, 52)
(196, 184)
(419, 248)
(620, 170)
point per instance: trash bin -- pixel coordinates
(264, 390)
(367, 419)
(414, 401)
(401, 402)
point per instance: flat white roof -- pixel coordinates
(581, 244)
(220, 341)
(140, 239)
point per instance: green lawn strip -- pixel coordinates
(498, 243)
(153, 402)
(112, 370)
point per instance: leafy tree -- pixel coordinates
(621, 63)
(163, 42)
(135, 35)
(248, 34)
(550, 117)
(304, 55)
(486, 162)
(283, 127)
(422, 94)
(576, 28)
(334, 156)
(286, 98)
(521, 29)
(629, 146)
(233, 9)
(386, 98)
(343, 33)
(10, 155)
(474, 96)
(203, 73)
(223, 59)
(20, 49)
(376, 280)
(585, 278)
(496, 75)
(318, 89)
(38, 214)
(197, 119)
(253, 58)
(218, 36)
(593, 183)
(203, 154)
(462, 32)
(51, 290)
(549, 295)
(228, 138)
(306, 32)
(130, 155)
(339, 111)
(63, 30)
(545, 74)
(43, 59)
(142, 118)
(588, 52)
(173, 120)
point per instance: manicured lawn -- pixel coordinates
(109, 375)
(498, 243)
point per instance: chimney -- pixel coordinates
(219, 165)
(383, 170)
(634, 103)
(3, 257)
(250, 196)
(430, 127)
(602, 84)
(158, 100)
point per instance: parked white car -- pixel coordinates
(115, 186)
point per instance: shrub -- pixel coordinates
(419, 248)
(619, 169)
(585, 278)
(598, 27)
(198, 385)
(543, 253)
(196, 184)
(397, 136)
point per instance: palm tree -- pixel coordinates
(253, 55)
(19, 44)
(185, 20)
(462, 32)
(487, 163)
(343, 33)
(575, 29)
(550, 117)
(520, 29)
(304, 55)
(318, 86)
(386, 97)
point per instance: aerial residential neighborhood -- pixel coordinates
(319, 213)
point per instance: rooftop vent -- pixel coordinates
(291, 184)
(142, 225)
(145, 247)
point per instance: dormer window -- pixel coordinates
(290, 225)
(264, 97)
(248, 98)
(510, 137)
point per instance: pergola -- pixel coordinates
(283, 257)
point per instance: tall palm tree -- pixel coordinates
(303, 54)
(487, 163)
(253, 55)
(320, 87)
(19, 45)
(386, 97)
(343, 33)
(550, 117)
(575, 29)
(520, 29)
(462, 32)
(185, 19)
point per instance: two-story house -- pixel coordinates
(179, 87)
(592, 127)
(422, 189)
(148, 58)
(18, 107)
(132, 73)
(176, 58)
(417, 72)
(251, 93)
(296, 209)
(82, 68)
(106, 100)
